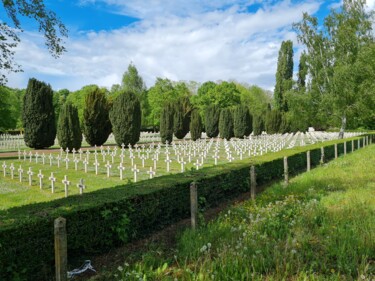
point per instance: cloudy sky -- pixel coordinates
(196, 40)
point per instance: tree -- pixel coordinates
(226, 124)
(125, 117)
(166, 123)
(96, 123)
(69, 132)
(332, 51)
(52, 28)
(258, 125)
(273, 121)
(242, 121)
(302, 71)
(38, 115)
(10, 108)
(255, 98)
(181, 119)
(284, 74)
(195, 125)
(212, 116)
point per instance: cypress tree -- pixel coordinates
(125, 117)
(242, 121)
(273, 121)
(166, 123)
(96, 123)
(69, 132)
(181, 119)
(302, 71)
(226, 124)
(195, 125)
(211, 117)
(258, 125)
(38, 115)
(284, 75)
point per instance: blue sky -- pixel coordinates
(196, 40)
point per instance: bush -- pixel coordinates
(96, 123)
(166, 123)
(38, 115)
(242, 121)
(69, 132)
(226, 124)
(195, 125)
(125, 117)
(211, 117)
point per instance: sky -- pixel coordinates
(182, 40)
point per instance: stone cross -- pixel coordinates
(104, 154)
(81, 186)
(40, 176)
(135, 171)
(151, 173)
(36, 157)
(52, 179)
(155, 159)
(20, 172)
(122, 157)
(113, 154)
(80, 153)
(31, 156)
(230, 158)
(143, 157)
(66, 185)
(76, 161)
(168, 161)
(24, 155)
(4, 168)
(96, 164)
(30, 173)
(12, 168)
(19, 154)
(88, 155)
(74, 152)
(67, 151)
(132, 158)
(67, 160)
(183, 163)
(216, 157)
(85, 163)
(121, 168)
(50, 157)
(197, 165)
(108, 166)
(58, 158)
(43, 158)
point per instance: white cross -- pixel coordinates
(58, 158)
(168, 161)
(30, 173)
(20, 172)
(135, 170)
(67, 160)
(36, 157)
(80, 153)
(182, 162)
(24, 155)
(143, 157)
(30, 155)
(4, 168)
(40, 176)
(74, 152)
(81, 186)
(67, 151)
(12, 168)
(132, 157)
(122, 157)
(216, 157)
(113, 154)
(52, 179)
(230, 158)
(151, 173)
(43, 158)
(76, 161)
(108, 166)
(155, 159)
(88, 155)
(19, 154)
(50, 159)
(66, 185)
(197, 165)
(96, 164)
(104, 155)
(85, 163)
(121, 168)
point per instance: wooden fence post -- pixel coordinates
(352, 145)
(344, 148)
(308, 160)
(253, 183)
(61, 253)
(322, 155)
(359, 143)
(335, 150)
(286, 172)
(194, 205)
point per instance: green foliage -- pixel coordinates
(302, 71)
(59, 99)
(284, 75)
(255, 98)
(69, 132)
(212, 115)
(38, 115)
(242, 121)
(166, 123)
(195, 125)
(226, 124)
(125, 117)
(273, 121)
(96, 123)
(10, 108)
(181, 119)
(258, 125)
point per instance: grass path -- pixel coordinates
(321, 227)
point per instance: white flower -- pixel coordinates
(120, 268)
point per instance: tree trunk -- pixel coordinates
(343, 126)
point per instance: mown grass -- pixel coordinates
(320, 227)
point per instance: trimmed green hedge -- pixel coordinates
(103, 219)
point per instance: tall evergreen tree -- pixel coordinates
(125, 117)
(195, 125)
(226, 124)
(69, 132)
(166, 122)
(258, 125)
(212, 115)
(273, 121)
(38, 115)
(242, 121)
(302, 71)
(96, 123)
(181, 119)
(284, 75)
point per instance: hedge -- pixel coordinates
(100, 220)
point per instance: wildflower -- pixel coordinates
(208, 245)
(203, 249)
(293, 251)
(120, 268)
(363, 277)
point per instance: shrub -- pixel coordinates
(38, 115)
(226, 124)
(242, 121)
(125, 117)
(211, 117)
(195, 125)
(69, 132)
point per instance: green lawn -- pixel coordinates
(320, 227)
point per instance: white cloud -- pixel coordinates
(214, 44)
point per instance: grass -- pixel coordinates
(320, 227)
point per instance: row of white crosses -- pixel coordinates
(40, 176)
(8, 141)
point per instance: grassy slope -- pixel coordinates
(321, 227)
